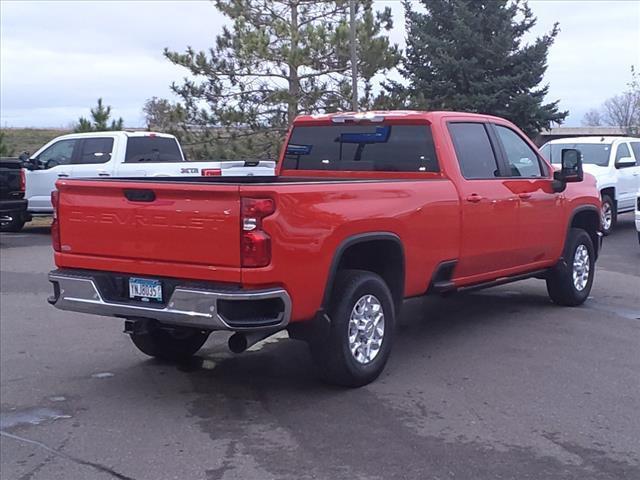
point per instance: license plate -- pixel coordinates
(145, 290)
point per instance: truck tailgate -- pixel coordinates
(172, 224)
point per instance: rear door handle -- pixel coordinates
(104, 174)
(474, 198)
(63, 175)
(524, 196)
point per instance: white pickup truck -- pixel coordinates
(119, 154)
(614, 161)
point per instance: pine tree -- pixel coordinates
(99, 122)
(278, 59)
(469, 55)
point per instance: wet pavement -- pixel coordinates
(495, 384)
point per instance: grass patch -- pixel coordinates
(29, 139)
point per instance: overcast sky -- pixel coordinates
(57, 58)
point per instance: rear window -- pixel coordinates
(95, 150)
(384, 148)
(152, 149)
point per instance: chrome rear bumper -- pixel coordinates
(187, 306)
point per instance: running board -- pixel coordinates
(503, 280)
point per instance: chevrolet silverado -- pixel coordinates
(366, 210)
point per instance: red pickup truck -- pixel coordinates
(367, 209)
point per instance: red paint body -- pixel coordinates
(192, 230)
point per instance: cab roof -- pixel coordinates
(375, 116)
(116, 133)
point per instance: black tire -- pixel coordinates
(177, 344)
(13, 226)
(610, 204)
(332, 353)
(561, 286)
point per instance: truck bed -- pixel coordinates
(190, 227)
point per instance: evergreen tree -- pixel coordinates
(469, 55)
(278, 59)
(162, 115)
(99, 122)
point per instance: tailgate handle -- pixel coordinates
(140, 195)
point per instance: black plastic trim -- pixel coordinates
(349, 242)
(585, 208)
(504, 280)
(135, 195)
(441, 280)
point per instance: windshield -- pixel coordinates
(592, 153)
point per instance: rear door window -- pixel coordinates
(95, 150)
(474, 151)
(152, 149)
(385, 148)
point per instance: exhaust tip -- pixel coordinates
(238, 343)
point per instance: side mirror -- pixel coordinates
(625, 162)
(570, 171)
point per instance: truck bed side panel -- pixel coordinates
(311, 221)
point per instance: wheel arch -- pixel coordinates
(609, 190)
(588, 218)
(362, 252)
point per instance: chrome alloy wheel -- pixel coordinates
(581, 267)
(366, 329)
(607, 216)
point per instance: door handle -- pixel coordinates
(104, 174)
(63, 175)
(524, 196)
(474, 198)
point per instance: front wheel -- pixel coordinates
(609, 214)
(175, 344)
(569, 283)
(361, 332)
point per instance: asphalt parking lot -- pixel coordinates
(494, 384)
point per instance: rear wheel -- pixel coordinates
(174, 344)
(569, 283)
(609, 214)
(361, 331)
(15, 225)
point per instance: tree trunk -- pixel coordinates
(294, 79)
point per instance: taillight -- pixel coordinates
(255, 248)
(55, 225)
(23, 182)
(211, 172)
